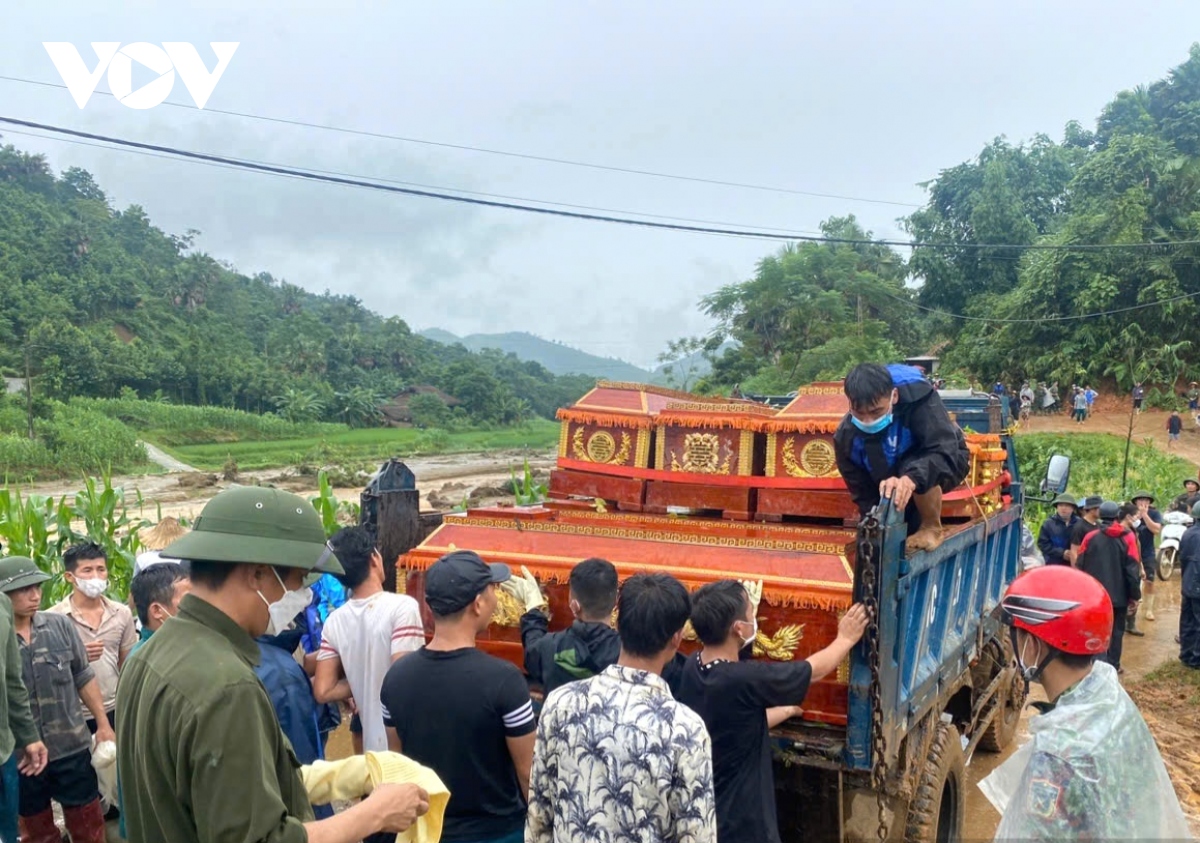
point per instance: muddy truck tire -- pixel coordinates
(935, 814)
(1003, 729)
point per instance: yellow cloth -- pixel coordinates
(357, 776)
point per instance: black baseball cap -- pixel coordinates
(456, 579)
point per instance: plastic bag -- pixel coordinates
(1092, 771)
(104, 760)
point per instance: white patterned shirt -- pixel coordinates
(618, 759)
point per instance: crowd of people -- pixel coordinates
(219, 699)
(1115, 543)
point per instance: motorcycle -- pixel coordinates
(1175, 524)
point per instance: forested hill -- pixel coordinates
(1006, 313)
(103, 300)
(558, 357)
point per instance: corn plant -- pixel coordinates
(526, 490)
(334, 514)
(41, 528)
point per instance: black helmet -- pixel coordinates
(1109, 510)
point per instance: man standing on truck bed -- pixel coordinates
(1091, 769)
(898, 442)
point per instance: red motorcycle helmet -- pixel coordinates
(1062, 606)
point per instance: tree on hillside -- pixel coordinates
(684, 359)
(811, 311)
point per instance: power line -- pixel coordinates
(505, 153)
(1043, 319)
(438, 193)
(164, 157)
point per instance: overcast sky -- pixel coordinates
(859, 99)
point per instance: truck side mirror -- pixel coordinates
(1058, 475)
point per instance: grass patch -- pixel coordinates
(1096, 460)
(364, 445)
(183, 424)
(1175, 673)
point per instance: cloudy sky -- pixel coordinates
(853, 98)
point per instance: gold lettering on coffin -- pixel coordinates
(817, 459)
(508, 609)
(601, 448)
(702, 455)
(782, 645)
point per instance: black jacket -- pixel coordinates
(1055, 538)
(1107, 558)
(552, 659)
(921, 443)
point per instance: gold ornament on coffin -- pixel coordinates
(601, 447)
(508, 610)
(817, 459)
(702, 455)
(782, 645)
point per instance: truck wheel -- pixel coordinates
(935, 814)
(1003, 728)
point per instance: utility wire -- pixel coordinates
(525, 156)
(164, 157)
(437, 194)
(1043, 319)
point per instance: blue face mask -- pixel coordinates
(876, 426)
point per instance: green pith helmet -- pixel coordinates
(17, 572)
(254, 525)
(1142, 493)
(1065, 498)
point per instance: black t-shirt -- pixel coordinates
(732, 698)
(1081, 529)
(1146, 538)
(453, 711)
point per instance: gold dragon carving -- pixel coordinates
(817, 459)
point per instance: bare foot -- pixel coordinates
(926, 538)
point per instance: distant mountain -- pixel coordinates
(560, 359)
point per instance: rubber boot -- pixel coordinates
(1150, 607)
(1131, 626)
(40, 828)
(85, 823)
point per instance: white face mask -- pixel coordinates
(284, 610)
(92, 588)
(753, 634)
(1028, 671)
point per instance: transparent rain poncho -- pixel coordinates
(1090, 771)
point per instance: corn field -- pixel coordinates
(41, 527)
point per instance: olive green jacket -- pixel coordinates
(17, 728)
(200, 753)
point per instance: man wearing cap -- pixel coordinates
(1089, 519)
(57, 673)
(462, 712)
(202, 758)
(21, 747)
(1054, 539)
(1146, 526)
(1110, 554)
(1189, 498)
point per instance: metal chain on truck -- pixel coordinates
(868, 562)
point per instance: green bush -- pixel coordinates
(22, 457)
(1096, 462)
(433, 441)
(90, 441)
